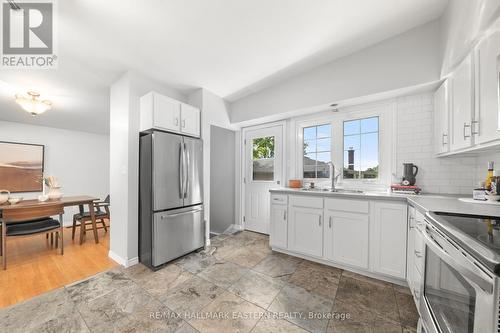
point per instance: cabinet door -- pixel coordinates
(388, 238)
(441, 111)
(346, 238)
(279, 226)
(462, 105)
(190, 120)
(166, 113)
(305, 232)
(486, 126)
(410, 263)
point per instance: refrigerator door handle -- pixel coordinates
(181, 170)
(186, 185)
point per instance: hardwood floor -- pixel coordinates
(35, 267)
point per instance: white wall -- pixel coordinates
(124, 161)
(79, 160)
(213, 112)
(409, 59)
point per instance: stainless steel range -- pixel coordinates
(462, 266)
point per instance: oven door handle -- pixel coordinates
(462, 269)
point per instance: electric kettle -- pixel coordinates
(409, 173)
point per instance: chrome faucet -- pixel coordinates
(332, 175)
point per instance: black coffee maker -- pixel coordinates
(409, 173)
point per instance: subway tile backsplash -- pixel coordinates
(415, 144)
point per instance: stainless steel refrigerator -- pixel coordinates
(171, 221)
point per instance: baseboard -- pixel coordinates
(122, 261)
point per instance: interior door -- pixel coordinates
(263, 171)
(167, 187)
(193, 188)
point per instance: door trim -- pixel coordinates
(284, 174)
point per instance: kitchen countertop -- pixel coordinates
(428, 202)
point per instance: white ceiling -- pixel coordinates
(230, 47)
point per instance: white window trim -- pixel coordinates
(386, 113)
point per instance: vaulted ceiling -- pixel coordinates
(230, 47)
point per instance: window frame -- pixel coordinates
(385, 111)
(316, 151)
(359, 134)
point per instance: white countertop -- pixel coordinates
(447, 203)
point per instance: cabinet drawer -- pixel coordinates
(279, 199)
(306, 201)
(348, 205)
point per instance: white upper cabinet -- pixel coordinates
(441, 124)
(486, 126)
(388, 227)
(462, 105)
(165, 113)
(190, 120)
(346, 238)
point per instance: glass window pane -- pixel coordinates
(324, 145)
(322, 166)
(310, 133)
(369, 158)
(351, 127)
(263, 170)
(351, 142)
(351, 164)
(263, 147)
(324, 131)
(369, 125)
(309, 147)
(310, 166)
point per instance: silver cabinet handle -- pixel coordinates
(475, 127)
(465, 127)
(417, 294)
(284, 215)
(319, 221)
(443, 142)
(418, 254)
(183, 123)
(330, 222)
(176, 121)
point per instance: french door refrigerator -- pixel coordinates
(171, 221)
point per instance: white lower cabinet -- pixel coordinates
(367, 235)
(279, 227)
(346, 238)
(388, 238)
(305, 232)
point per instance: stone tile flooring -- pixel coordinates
(242, 287)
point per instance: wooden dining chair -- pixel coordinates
(31, 220)
(83, 218)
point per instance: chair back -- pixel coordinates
(32, 212)
(107, 199)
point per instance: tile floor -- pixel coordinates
(242, 287)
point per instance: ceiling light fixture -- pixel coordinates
(334, 106)
(33, 104)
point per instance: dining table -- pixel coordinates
(79, 200)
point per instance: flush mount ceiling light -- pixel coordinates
(33, 104)
(335, 107)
